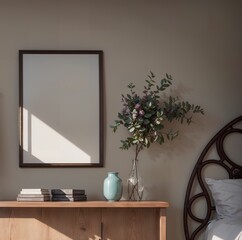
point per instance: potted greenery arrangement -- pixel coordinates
(145, 117)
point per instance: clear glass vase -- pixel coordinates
(135, 183)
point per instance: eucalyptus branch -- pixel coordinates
(144, 115)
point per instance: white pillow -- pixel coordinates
(227, 195)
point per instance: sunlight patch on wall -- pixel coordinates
(47, 145)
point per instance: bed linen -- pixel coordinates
(224, 229)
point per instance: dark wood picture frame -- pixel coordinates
(61, 108)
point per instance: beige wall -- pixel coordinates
(198, 42)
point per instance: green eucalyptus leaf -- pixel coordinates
(131, 129)
(148, 126)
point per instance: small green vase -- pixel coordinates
(112, 187)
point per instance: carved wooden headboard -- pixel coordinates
(233, 169)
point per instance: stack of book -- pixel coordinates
(34, 195)
(70, 195)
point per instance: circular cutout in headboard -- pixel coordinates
(221, 143)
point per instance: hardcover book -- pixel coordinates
(34, 199)
(33, 195)
(34, 191)
(69, 199)
(67, 191)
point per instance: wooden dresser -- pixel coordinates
(91, 220)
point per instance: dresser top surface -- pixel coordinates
(86, 204)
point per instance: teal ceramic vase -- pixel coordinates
(112, 187)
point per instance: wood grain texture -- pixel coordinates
(162, 223)
(46, 224)
(97, 220)
(130, 224)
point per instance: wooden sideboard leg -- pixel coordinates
(162, 224)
